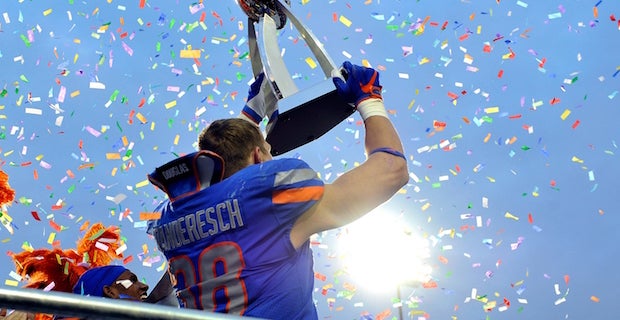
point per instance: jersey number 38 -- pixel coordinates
(214, 282)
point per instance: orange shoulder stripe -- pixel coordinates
(298, 195)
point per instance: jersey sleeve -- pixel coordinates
(296, 188)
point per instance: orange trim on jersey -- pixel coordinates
(298, 195)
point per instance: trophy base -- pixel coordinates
(309, 114)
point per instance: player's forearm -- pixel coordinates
(364, 188)
(385, 154)
(380, 133)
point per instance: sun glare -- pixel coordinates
(381, 253)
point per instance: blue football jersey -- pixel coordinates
(229, 245)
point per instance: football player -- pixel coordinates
(237, 223)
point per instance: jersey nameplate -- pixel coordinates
(175, 171)
(188, 174)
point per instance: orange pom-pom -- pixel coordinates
(100, 244)
(41, 267)
(7, 194)
(43, 316)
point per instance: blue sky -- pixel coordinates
(506, 109)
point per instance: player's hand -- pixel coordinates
(261, 102)
(360, 83)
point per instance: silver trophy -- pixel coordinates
(305, 115)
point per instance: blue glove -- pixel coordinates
(361, 83)
(262, 102)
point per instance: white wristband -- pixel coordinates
(371, 107)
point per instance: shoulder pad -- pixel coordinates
(188, 174)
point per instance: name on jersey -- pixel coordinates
(199, 225)
(175, 171)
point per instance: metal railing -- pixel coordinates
(86, 307)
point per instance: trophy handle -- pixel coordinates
(275, 69)
(257, 64)
(256, 60)
(312, 41)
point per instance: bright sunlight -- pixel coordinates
(381, 252)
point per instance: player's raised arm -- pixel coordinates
(365, 187)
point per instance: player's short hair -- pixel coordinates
(232, 139)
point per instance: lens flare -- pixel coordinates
(381, 253)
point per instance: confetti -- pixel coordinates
(90, 106)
